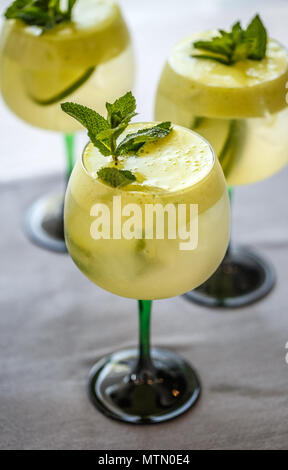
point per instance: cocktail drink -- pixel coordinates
(218, 85)
(171, 173)
(82, 52)
(176, 170)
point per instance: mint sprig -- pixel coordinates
(235, 45)
(43, 13)
(104, 133)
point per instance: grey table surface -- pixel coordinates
(54, 324)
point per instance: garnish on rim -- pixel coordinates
(104, 133)
(43, 13)
(235, 45)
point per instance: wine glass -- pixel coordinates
(241, 110)
(89, 60)
(144, 385)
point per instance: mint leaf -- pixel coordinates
(256, 36)
(93, 122)
(16, 6)
(116, 178)
(235, 45)
(132, 143)
(220, 59)
(43, 13)
(218, 45)
(237, 33)
(122, 110)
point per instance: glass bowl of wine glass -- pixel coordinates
(153, 236)
(241, 109)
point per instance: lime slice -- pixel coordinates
(226, 137)
(97, 34)
(216, 131)
(258, 149)
(248, 88)
(233, 147)
(46, 88)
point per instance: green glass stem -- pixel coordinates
(69, 140)
(144, 360)
(230, 192)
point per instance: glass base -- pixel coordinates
(161, 392)
(44, 223)
(241, 279)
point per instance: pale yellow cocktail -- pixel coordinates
(179, 169)
(240, 108)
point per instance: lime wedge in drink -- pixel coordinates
(225, 135)
(216, 131)
(258, 148)
(233, 147)
(43, 87)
